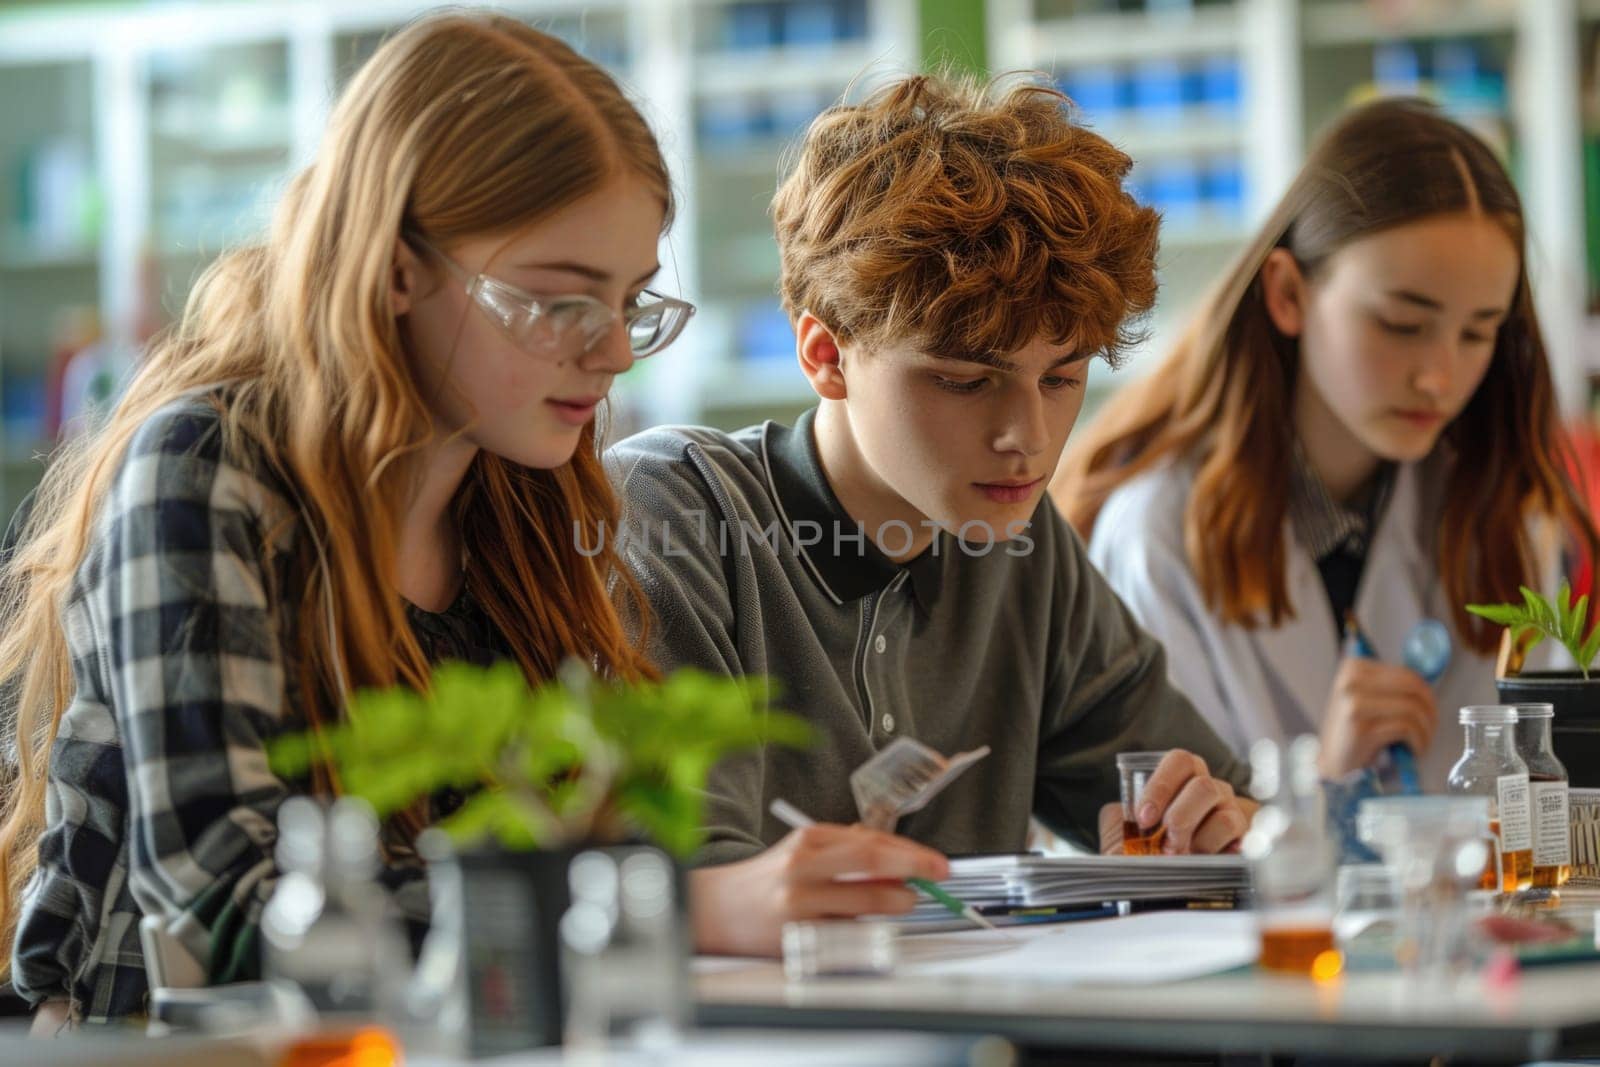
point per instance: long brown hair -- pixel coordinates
(461, 124)
(1222, 399)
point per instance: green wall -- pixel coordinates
(953, 35)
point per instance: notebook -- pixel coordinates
(999, 885)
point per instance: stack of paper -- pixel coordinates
(997, 884)
(991, 879)
(1089, 879)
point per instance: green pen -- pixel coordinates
(796, 819)
(955, 906)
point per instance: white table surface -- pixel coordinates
(1543, 1012)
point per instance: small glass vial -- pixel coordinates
(624, 953)
(329, 926)
(1547, 797)
(1489, 766)
(838, 947)
(1292, 859)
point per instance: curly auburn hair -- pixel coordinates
(965, 217)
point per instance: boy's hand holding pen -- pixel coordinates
(825, 871)
(796, 819)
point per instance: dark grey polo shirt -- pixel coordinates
(752, 566)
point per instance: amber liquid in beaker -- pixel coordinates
(1135, 843)
(337, 1048)
(1295, 949)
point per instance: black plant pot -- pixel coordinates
(1576, 730)
(513, 903)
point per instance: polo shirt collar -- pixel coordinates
(830, 542)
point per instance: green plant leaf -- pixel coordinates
(1573, 617)
(1586, 652)
(529, 756)
(291, 756)
(1538, 619)
(1540, 612)
(1528, 637)
(492, 814)
(1507, 615)
(671, 817)
(1580, 620)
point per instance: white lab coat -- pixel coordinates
(1275, 683)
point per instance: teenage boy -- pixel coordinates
(953, 257)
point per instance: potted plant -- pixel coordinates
(1574, 693)
(542, 774)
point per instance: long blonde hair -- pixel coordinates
(1223, 397)
(461, 124)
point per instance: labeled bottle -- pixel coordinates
(1489, 766)
(1548, 800)
(1292, 858)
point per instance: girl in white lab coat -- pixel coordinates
(1361, 419)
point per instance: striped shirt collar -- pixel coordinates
(1322, 524)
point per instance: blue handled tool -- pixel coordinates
(1422, 653)
(1427, 649)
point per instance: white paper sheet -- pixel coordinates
(1162, 946)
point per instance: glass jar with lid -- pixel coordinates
(1490, 766)
(1548, 804)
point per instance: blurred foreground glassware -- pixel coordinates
(1437, 848)
(1292, 860)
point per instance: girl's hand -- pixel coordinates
(1373, 705)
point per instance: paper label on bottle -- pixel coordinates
(1552, 824)
(1516, 823)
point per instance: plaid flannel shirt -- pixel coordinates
(160, 801)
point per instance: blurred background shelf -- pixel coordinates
(761, 70)
(1358, 22)
(1216, 102)
(776, 70)
(1187, 130)
(1119, 38)
(25, 256)
(139, 140)
(1203, 97)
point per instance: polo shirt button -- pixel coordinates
(880, 644)
(887, 720)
